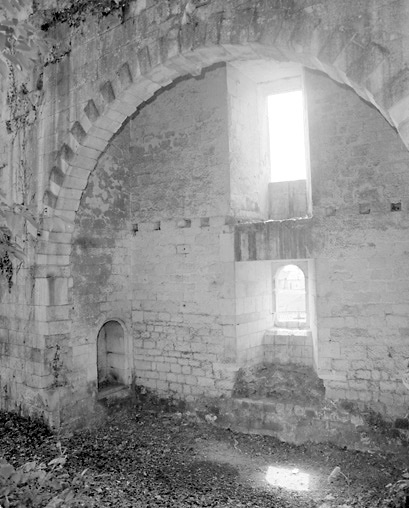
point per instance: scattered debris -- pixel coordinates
(150, 457)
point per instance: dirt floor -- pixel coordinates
(148, 457)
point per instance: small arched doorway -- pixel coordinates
(111, 357)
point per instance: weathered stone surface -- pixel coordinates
(126, 148)
(314, 422)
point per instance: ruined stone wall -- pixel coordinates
(101, 265)
(254, 310)
(249, 171)
(183, 319)
(25, 364)
(183, 276)
(100, 70)
(138, 50)
(21, 361)
(357, 237)
(4, 149)
(179, 150)
(153, 247)
(359, 175)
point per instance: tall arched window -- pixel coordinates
(290, 296)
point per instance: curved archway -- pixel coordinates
(302, 36)
(122, 96)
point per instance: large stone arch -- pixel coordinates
(256, 30)
(350, 44)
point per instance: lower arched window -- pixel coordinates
(290, 297)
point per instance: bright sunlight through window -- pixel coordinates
(287, 136)
(290, 295)
(291, 479)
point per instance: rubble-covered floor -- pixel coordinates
(151, 457)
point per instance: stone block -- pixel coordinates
(162, 367)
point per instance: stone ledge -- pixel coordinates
(318, 423)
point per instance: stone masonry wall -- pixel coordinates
(101, 265)
(358, 239)
(25, 359)
(182, 256)
(23, 374)
(249, 171)
(254, 309)
(183, 280)
(359, 171)
(179, 151)
(103, 70)
(154, 249)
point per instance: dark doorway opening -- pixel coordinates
(111, 358)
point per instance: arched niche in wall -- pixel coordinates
(111, 356)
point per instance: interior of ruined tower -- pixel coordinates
(199, 152)
(179, 248)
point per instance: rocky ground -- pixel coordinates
(151, 457)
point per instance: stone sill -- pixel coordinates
(113, 391)
(289, 332)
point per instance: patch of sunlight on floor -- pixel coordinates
(291, 479)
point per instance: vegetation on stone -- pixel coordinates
(73, 13)
(19, 40)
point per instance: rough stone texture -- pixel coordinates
(289, 383)
(288, 346)
(148, 43)
(361, 279)
(248, 148)
(314, 422)
(151, 245)
(179, 152)
(254, 309)
(360, 257)
(97, 179)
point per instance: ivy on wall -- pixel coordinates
(6, 265)
(75, 13)
(6, 269)
(20, 42)
(21, 49)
